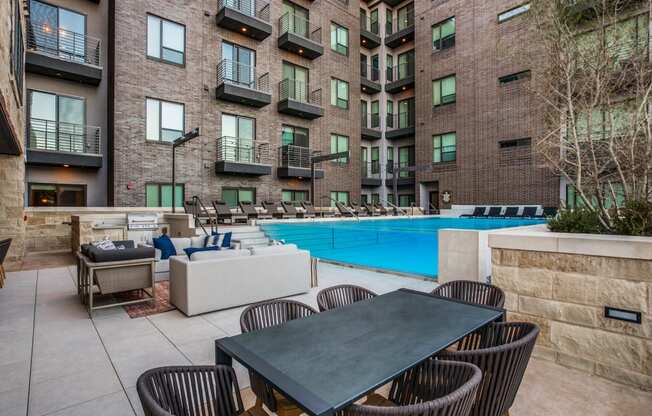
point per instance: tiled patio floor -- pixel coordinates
(56, 361)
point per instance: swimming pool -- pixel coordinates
(403, 245)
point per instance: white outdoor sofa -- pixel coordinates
(215, 280)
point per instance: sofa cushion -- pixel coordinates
(190, 250)
(282, 248)
(217, 239)
(217, 254)
(166, 246)
(99, 256)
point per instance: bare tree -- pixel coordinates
(593, 86)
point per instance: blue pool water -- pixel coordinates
(403, 245)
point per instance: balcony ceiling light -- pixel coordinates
(46, 28)
(300, 50)
(243, 29)
(66, 166)
(403, 40)
(364, 40)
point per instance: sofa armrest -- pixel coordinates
(157, 252)
(179, 282)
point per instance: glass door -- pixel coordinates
(238, 135)
(239, 64)
(405, 160)
(72, 39)
(406, 113)
(405, 65)
(296, 78)
(296, 18)
(71, 135)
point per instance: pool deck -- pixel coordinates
(54, 360)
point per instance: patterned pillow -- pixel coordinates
(105, 245)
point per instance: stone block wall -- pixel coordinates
(566, 293)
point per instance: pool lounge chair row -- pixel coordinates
(366, 210)
(511, 212)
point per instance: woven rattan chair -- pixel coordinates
(433, 388)
(502, 351)
(342, 295)
(472, 292)
(199, 390)
(264, 315)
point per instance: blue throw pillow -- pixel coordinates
(166, 246)
(191, 250)
(227, 240)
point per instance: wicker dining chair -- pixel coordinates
(342, 295)
(502, 351)
(433, 388)
(264, 315)
(472, 292)
(190, 390)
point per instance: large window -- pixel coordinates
(237, 141)
(238, 64)
(406, 160)
(165, 120)
(623, 40)
(160, 195)
(295, 19)
(405, 65)
(296, 136)
(512, 13)
(444, 147)
(443, 34)
(444, 91)
(294, 197)
(17, 51)
(406, 200)
(405, 17)
(339, 93)
(166, 40)
(406, 113)
(58, 31)
(56, 195)
(56, 122)
(339, 196)
(295, 82)
(375, 114)
(340, 144)
(233, 196)
(339, 39)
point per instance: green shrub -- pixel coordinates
(635, 219)
(579, 220)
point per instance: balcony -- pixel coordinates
(63, 54)
(298, 35)
(249, 18)
(400, 32)
(403, 173)
(400, 78)
(369, 33)
(54, 143)
(294, 162)
(371, 127)
(296, 99)
(239, 83)
(400, 125)
(370, 174)
(242, 156)
(369, 79)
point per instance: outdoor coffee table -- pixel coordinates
(327, 361)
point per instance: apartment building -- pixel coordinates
(67, 84)
(268, 84)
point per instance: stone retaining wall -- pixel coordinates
(566, 293)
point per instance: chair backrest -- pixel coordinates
(472, 292)
(193, 390)
(382, 209)
(342, 295)
(265, 314)
(478, 211)
(4, 249)
(502, 351)
(529, 211)
(368, 207)
(433, 388)
(289, 208)
(494, 211)
(342, 209)
(248, 208)
(222, 208)
(308, 207)
(511, 211)
(550, 212)
(270, 206)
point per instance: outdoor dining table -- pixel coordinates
(327, 361)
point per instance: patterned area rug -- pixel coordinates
(158, 305)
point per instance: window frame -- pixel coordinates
(30, 202)
(512, 13)
(160, 186)
(294, 134)
(160, 118)
(293, 192)
(439, 150)
(449, 38)
(441, 96)
(238, 189)
(335, 90)
(337, 197)
(335, 27)
(516, 76)
(344, 160)
(160, 41)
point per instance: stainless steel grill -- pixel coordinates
(142, 221)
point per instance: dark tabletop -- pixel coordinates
(327, 361)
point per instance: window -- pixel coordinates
(18, 51)
(363, 66)
(628, 38)
(58, 31)
(339, 39)
(294, 197)
(373, 20)
(405, 65)
(339, 93)
(406, 160)
(510, 144)
(406, 113)
(160, 195)
(512, 13)
(339, 196)
(601, 124)
(443, 35)
(444, 91)
(165, 120)
(296, 136)
(166, 40)
(573, 200)
(295, 82)
(514, 77)
(389, 27)
(389, 70)
(233, 196)
(56, 195)
(405, 17)
(340, 144)
(444, 148)
(375, 160)
(375, 65)
(364, 199)
(295, 19)
(375, 198)
(56, 122)
(390, 159)
(375, 114)
(390, 114)
(238, 65)
(406, 200)
(363, 114)
(237, 141)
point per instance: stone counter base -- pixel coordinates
(565, 294)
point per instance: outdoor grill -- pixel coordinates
(142, 221)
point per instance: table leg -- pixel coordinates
(89, 287)
(222, 358)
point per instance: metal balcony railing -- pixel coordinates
(236, 73)
(401, 169)
(253, 8)
(297, 90)
(399, 24)
(242, 150)
(297, 25)
(369, 72)
(370, 121)
(400, 72)
(370, 170)
(292, 156)
(64, 44)
(370, 26)
(403, 120)
(63, 137)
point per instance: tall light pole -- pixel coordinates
(179, 142)
(322, 158)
